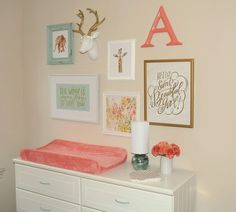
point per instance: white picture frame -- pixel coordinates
(121, 60)
(74, 97)
(119, 110)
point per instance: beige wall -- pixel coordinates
(11, 94)
(207, 31)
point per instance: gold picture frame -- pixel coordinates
(169, 92)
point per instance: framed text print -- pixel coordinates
(168, 92)
(74, 97)
(60, 44)
(119, 110)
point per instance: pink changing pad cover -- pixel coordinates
(77, 156)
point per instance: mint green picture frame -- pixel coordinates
(60, 44)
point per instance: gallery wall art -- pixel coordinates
(119, 110)
(74, 97)
(121, 60)
(168, 92)
(60, 41)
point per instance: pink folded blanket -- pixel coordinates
(77, 156)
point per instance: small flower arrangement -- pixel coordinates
(165, 149)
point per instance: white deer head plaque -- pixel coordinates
(88, 43)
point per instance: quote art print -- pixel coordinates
(169, 92)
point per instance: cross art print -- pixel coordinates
(169, 92)
(121, 60)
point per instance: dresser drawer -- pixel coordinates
(52, 184)
(113, 198)
(84, 209)
(31, 202)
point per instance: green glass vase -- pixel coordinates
(140, 161)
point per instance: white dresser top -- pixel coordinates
(121, 176)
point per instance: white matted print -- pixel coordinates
(74, 97)
(121, 60)
(168, 92)
(119, 110)
(60, 44)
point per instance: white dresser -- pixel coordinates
(41, 188)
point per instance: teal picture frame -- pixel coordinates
(60, 44)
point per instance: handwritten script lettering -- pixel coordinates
(167, 93)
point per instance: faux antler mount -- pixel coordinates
(93, 28)
(81, 16)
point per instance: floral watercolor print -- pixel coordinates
(120, 111)
(168, 93)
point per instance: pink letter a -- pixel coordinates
(161, 15)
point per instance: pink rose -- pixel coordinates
(170, 153)
(176, 149)
(163, 148)
(155, 150)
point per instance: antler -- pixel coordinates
(97, 23)
(81, 16)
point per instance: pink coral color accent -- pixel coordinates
(76, 156)
(165, 149)
(176, 149)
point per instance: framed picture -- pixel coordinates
(119, 110)
(74, 97)
(168, 92)
(121, 60)
(60, 44)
